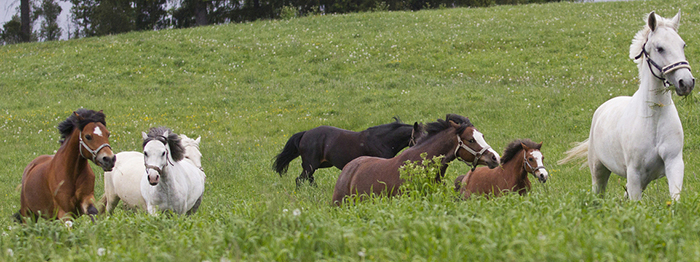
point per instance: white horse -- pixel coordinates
(641, 137)
(169, 183)
(124, 181)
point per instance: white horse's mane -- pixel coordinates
(641, 37)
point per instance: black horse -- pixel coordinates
(327, 146)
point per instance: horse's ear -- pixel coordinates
(198, 139)
(676, 20)
(166, 134)
(651, 21)
(540, 145)
(524, 146)
(77, 116)
(144, 135)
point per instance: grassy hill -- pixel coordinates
(532, 71)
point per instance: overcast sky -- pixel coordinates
(8, 8)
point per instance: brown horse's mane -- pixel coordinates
(441, 125)
(177, 151)
(88, 116)
(514, 148)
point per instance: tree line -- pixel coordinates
(104, 17)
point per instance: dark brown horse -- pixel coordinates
(453, 137)
(61, 185)
(520, 158)
(327, 146)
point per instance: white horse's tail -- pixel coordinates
(580, 150)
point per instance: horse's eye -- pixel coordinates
(163, 154)
(660, 49)
(145, 153)
(88, 137)
(531, 159)
(472, 140)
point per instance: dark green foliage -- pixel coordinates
(11, 31)
(49, 10)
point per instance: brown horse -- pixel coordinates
(520, 158)
(61, 185)
(453, 137)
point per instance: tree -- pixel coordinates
(26, 26)
(49, 10)
(82, 15)
(12, 31)
(150, 14)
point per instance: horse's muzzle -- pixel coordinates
(542, 175)
(489, 159)
(683, 80)
(107, 162)
(153, 176)
(683, 88)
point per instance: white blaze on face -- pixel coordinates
(538, 159)
(479, 137)
(97, 131)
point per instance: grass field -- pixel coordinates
(532, 71)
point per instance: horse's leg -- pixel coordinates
(309, 166)
(674, 169)
(599, 175)
(110, 199)
(195, 206)
(635, 184)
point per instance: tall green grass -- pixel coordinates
(530, 71)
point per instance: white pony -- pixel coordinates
(641, 137)
(169, 183)
(124, 181)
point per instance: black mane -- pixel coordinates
(382, 130)
(88, 116)
(441, 125)
(514, 148)
(177, 151)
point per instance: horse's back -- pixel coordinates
(37, 165)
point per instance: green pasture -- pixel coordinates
(530, 71)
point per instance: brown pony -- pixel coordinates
(520, 158)
(453, 137)
(61, 185)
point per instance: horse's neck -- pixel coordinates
(515, 173)
(70, 153)
(651, 94)
(443, 143)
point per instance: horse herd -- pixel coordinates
(638, 137)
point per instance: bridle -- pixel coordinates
(476, 155)
(664, 70)
(167, 157)
(93, 152)
(411, 142)
(530, 166)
